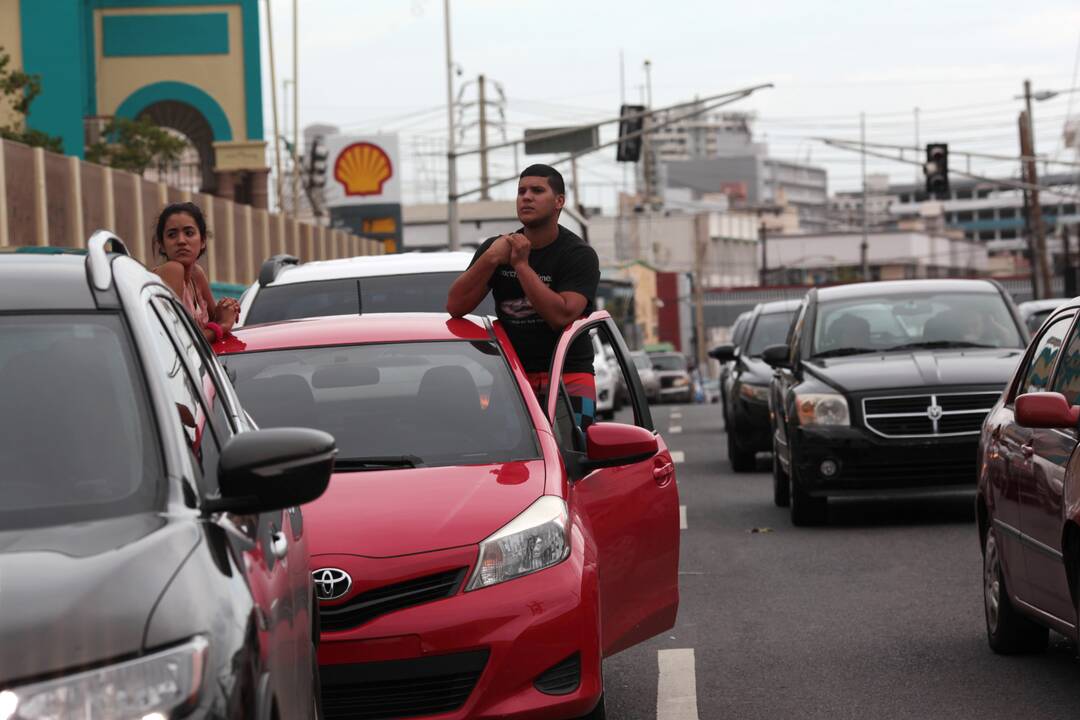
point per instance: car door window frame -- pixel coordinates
(638, 401)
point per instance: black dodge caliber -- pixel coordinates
(153, 562)
(882, 389)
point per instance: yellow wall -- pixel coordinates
(11, 41)
(646, 315)
(220, 76)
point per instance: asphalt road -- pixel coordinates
(876, 615)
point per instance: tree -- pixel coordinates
(135, 145)
(18, 90)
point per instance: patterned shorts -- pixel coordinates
(581, 387)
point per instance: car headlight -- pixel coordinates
(681, 381)
(536, 539)
(822, 409)
(150, 687)
(757, 393)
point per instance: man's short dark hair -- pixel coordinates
(554, 177)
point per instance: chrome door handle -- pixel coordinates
(279, 545)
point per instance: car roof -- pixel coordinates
(374, 265)
(899, 287)
(1034, 306)
(355, 329)
(44, 282)
(780, 306)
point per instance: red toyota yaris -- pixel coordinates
(476, 555)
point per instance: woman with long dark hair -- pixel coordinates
(181, 237)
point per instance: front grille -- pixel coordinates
(928, 415)
(371, 604)
(400, 688)
(919, 469)
(561, 679)
(666, 382)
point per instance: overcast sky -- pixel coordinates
(379, 65)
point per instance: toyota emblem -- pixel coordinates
(331, 583)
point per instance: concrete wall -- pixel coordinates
(50, 199)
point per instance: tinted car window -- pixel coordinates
(1042, 359)
(1067, 380)
(422, 292)
(769, 330)
(77, 441)
(899, 321)
(1035, 321)
(446, 403)
(669, 362)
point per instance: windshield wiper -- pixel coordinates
(938, 345)
(838, 352)
(377, 462)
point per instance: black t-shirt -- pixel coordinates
(567, 264)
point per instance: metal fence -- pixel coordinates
(49, 199)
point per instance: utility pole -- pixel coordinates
(484, 193)
(1035, 209)
(864, 263)
(273, 101)
(763, 238)
(701, 239)
(918, 170)
(451, 157)
(646, 140)
(296, 105)
(1033, 265)
(1067, 274)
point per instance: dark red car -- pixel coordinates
(1029, 493)
(476, 554)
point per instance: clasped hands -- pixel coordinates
(512, 249)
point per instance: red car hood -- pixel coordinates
(401, 512)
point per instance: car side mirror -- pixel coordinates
(272, 469)
(723, 353)
(777, 356)
(1046, 410)
(614, 444)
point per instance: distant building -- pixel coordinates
(893, 255)
(425, 223)
(716, 154)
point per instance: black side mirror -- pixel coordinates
(723, 353)
(777, 356)
(272, 469)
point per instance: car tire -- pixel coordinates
(1008, 632)
(780, 482)
(741, 460)
(316, 684)
(805, 509)
(598, 712)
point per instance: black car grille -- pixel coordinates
(561, 679)
(928, 415)
(400, 688)
(371, 604)
(666, 382)
(919, 471)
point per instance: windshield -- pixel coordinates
(912, 321)
(669, 362)
(1037, 318)
(421, 292)
(76, 439)
(771, 329)
(435, 403)
(641, 361)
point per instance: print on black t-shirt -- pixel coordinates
(567, 264)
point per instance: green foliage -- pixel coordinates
(18, 90)
(135, 145)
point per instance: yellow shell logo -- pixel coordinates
(363, 169)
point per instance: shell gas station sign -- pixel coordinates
(363, 187)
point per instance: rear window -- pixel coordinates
(441, 403)
(421, 292)
(77, 441)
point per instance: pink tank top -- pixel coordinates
(191, 303)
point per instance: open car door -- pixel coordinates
(632, 506)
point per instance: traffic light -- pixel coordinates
(316, 170)
(630, 150)
(936, 170)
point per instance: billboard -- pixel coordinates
(363, 185)
(362, 170)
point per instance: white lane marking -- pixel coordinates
(676, 416)
(678, 456)
(676, 692)
(675, 429)
(682, 517)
